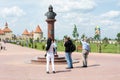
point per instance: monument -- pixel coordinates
(50, 21)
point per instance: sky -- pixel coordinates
(85, 14)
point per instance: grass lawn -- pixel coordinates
(110, 48)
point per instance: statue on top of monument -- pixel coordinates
(50, 14)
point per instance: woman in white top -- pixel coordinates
(55, 47)
(50, 55)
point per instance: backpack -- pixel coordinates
(72, 48)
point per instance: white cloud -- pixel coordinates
(106, 22)
(118, 3)
(111, 14)
(69, 12)
(12, 11)
(69, 5)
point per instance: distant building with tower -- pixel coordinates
(35, 35)
(6, 33)
(38, 34)
(25, 34)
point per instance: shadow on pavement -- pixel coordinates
(94, 65)
(63, 71)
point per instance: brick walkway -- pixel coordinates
(14, 65)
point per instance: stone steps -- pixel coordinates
(57, 60)
(42, 60)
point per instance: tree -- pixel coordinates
(31, 40)
(118, 36)
(105, 41)
(75, 32)
(64, 36)
(83, 36)
(97, 37)
(118, 39)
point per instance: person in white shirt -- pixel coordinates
(85, 51)
(50, 55)
(55, 47)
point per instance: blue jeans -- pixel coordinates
(69, 59)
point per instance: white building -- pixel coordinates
(26, 34)
(6, 33)
(38, 34)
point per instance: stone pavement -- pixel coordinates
(14, 65)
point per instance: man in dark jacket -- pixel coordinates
(68, 53)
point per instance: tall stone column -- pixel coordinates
(50, 28)
(50, 21)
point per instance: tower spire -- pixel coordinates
(6, 24)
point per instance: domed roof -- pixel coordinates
(1, 32)
(6, 29)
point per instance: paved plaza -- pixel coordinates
(15, 65)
